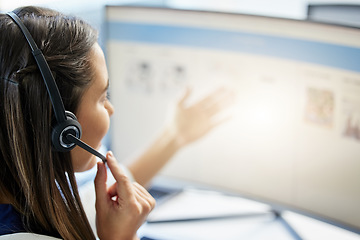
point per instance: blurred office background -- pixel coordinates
(92, 10)
(284, 8)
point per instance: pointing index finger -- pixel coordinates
(124, 184)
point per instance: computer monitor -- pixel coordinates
(346, 14)
(294, 138)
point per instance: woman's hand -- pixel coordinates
(121, 208)
(186, 123)
(191, 122)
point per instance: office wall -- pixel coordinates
(285, 8)
(92, 10)
(282, 8)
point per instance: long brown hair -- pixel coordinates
(36, 180)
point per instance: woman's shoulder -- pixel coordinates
(27, 236)
(10, 220)
(11, 226)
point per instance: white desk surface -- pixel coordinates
(197, 203)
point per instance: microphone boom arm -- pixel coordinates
(84, 146)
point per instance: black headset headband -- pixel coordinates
(48, 77)
(66, 134)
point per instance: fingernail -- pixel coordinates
(110, 154)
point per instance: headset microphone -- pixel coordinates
(67, 132)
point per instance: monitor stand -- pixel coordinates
(286, 225)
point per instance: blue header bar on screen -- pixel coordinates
(327, 54)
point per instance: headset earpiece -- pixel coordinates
(60, 131)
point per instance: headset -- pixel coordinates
(66, 133)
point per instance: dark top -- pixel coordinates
(10, 220)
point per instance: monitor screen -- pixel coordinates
(294, 137)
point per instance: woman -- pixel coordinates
(38, 191)
(37, 187)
